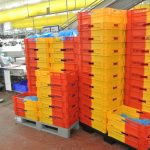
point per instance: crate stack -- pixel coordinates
(101, 71)
(26, 106)
(57, 82)
(138, 60)
(130, 123)
(31, 63)
(125, 125)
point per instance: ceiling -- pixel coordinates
(8, 4)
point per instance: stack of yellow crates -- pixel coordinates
(31, 108)
(102, 60)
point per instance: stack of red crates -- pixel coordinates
(31, 63)
(137, 87)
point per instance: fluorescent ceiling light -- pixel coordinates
(33, 1)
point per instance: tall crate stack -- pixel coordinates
(101, 71)
(138, 60)
(24, 105)
(57, 82)
(31, 63)
(130, 122)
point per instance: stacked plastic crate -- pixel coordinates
(131, 124)
(31, 63)
(25, 105)
(125, 125)
(102, 49)
(57, 83)
(138, 60)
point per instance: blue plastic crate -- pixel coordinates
(20, 86)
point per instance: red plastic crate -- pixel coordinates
(60, 92)
(31, 71)
(63, 78)
(18, 100)
(32, 89)
(136, 74)
(137, 143)
(137, 48)
(136, 35)
(31, 80)
(85, 119)
(65, 111)
(66, 123)
(136, 19)
(136, 61)
(84, 18)
(73, 99)
(134, 100)
(86, 110)
(19, 112)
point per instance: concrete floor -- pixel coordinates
(17, 137)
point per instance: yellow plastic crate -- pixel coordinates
(42, 95)
(106, 99)
(57, 67)
(107, 39)
(46, 120)
(42, 83)
(56, 46)
(146, 106)
(104, 61)
(55, 40)
(104, 93)
(57, 55)
(42, 65)
(45, 60)
(106, 72)
(108, 25)
(107, 50)
(108, 15)
(99, 125)
(46, 110)
(105, 33)
(57, 49)
(109, 11)
(42, 46)
(44, 90)
(41, 51)
(108, 76)
(110, 84)
(42, 72)
(107, 105)
(104, 48)
(43, 56)
(108, 64)
(101, 19)
(43, 40)
(31, 115)
(117, 124)
(46, 100)
(116, 134)
(31, 105)
(116, 120)
(44, 104)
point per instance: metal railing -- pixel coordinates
(74, 18)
